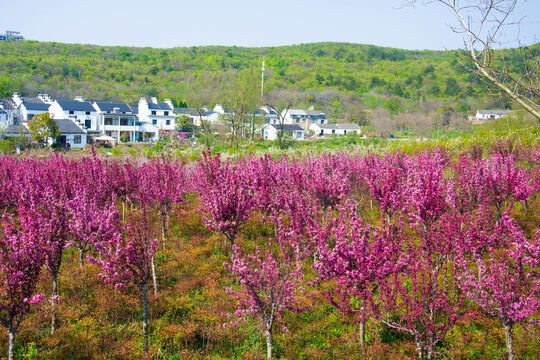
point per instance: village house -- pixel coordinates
(115, 119)
(482, 115)
(71, 134)
(159, 114)
(212, 117)
(291, 131)
(304, 118)
(335, 129)
(78, 110)
(28, 107)
(8, 112)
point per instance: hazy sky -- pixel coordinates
(169, 23)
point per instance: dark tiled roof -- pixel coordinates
(15, 129)
(109, 106)
(288, 127)
(32, 100)
(74, 105)
(35, 105)
(315, 113)
(67, 126)
(494, 112)
(7, 105)
(159, 106)
(339, 126)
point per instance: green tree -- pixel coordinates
(42, 127)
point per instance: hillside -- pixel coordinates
(338, 77)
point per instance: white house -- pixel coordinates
(8, 112)
(335, 129)
(291, 131)
(71, 134)
(159, 114)
(491, 114)
(29, 107)
(304, 118)
(211, 117)
(114, 119)
(78, 110)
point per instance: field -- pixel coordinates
(377, 251)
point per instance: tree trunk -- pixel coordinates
(11, 342)
(81, 258)
(145, 317)
(269, 344)
(154, 278)
(509, 345)
(362, 335)
(163, 228)
(53, 298)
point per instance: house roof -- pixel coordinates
(296, 112)
(15, 129)
(287, 127)
(34, 104)
(74, 105)
(108, 106)
(315, 113)
(186, 111)
(68, 126)
(338, 126)
(494, 112)
(159, 106)
(7, 105)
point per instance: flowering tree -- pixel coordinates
(510, 284)
(386, 179)
(358, 257)
(422, 297)
(425, 188)
(162, 185)
(21, 259)
(89, 223)
(269, 284)
(504, 182)
(223, 194)
(125, 259)
(50, 219)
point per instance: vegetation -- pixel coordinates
(342, 79)
(438, 246)
(42, 127)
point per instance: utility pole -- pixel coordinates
(262, 81)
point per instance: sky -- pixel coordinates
(252, 23)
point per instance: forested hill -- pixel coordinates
(327, 74)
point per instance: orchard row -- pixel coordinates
(414, 242)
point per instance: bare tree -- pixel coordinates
(198, 97)
(242, 98)
(383, 123)
(276, 101)
(483, 23)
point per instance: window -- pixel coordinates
(166, 113)
(88, 113)
(71, 112)
(88, 123)
(153, 113)
(154, 122)
(297, 121)
(108, 121)
(168, 122)
(124, 122)
(77, 139)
